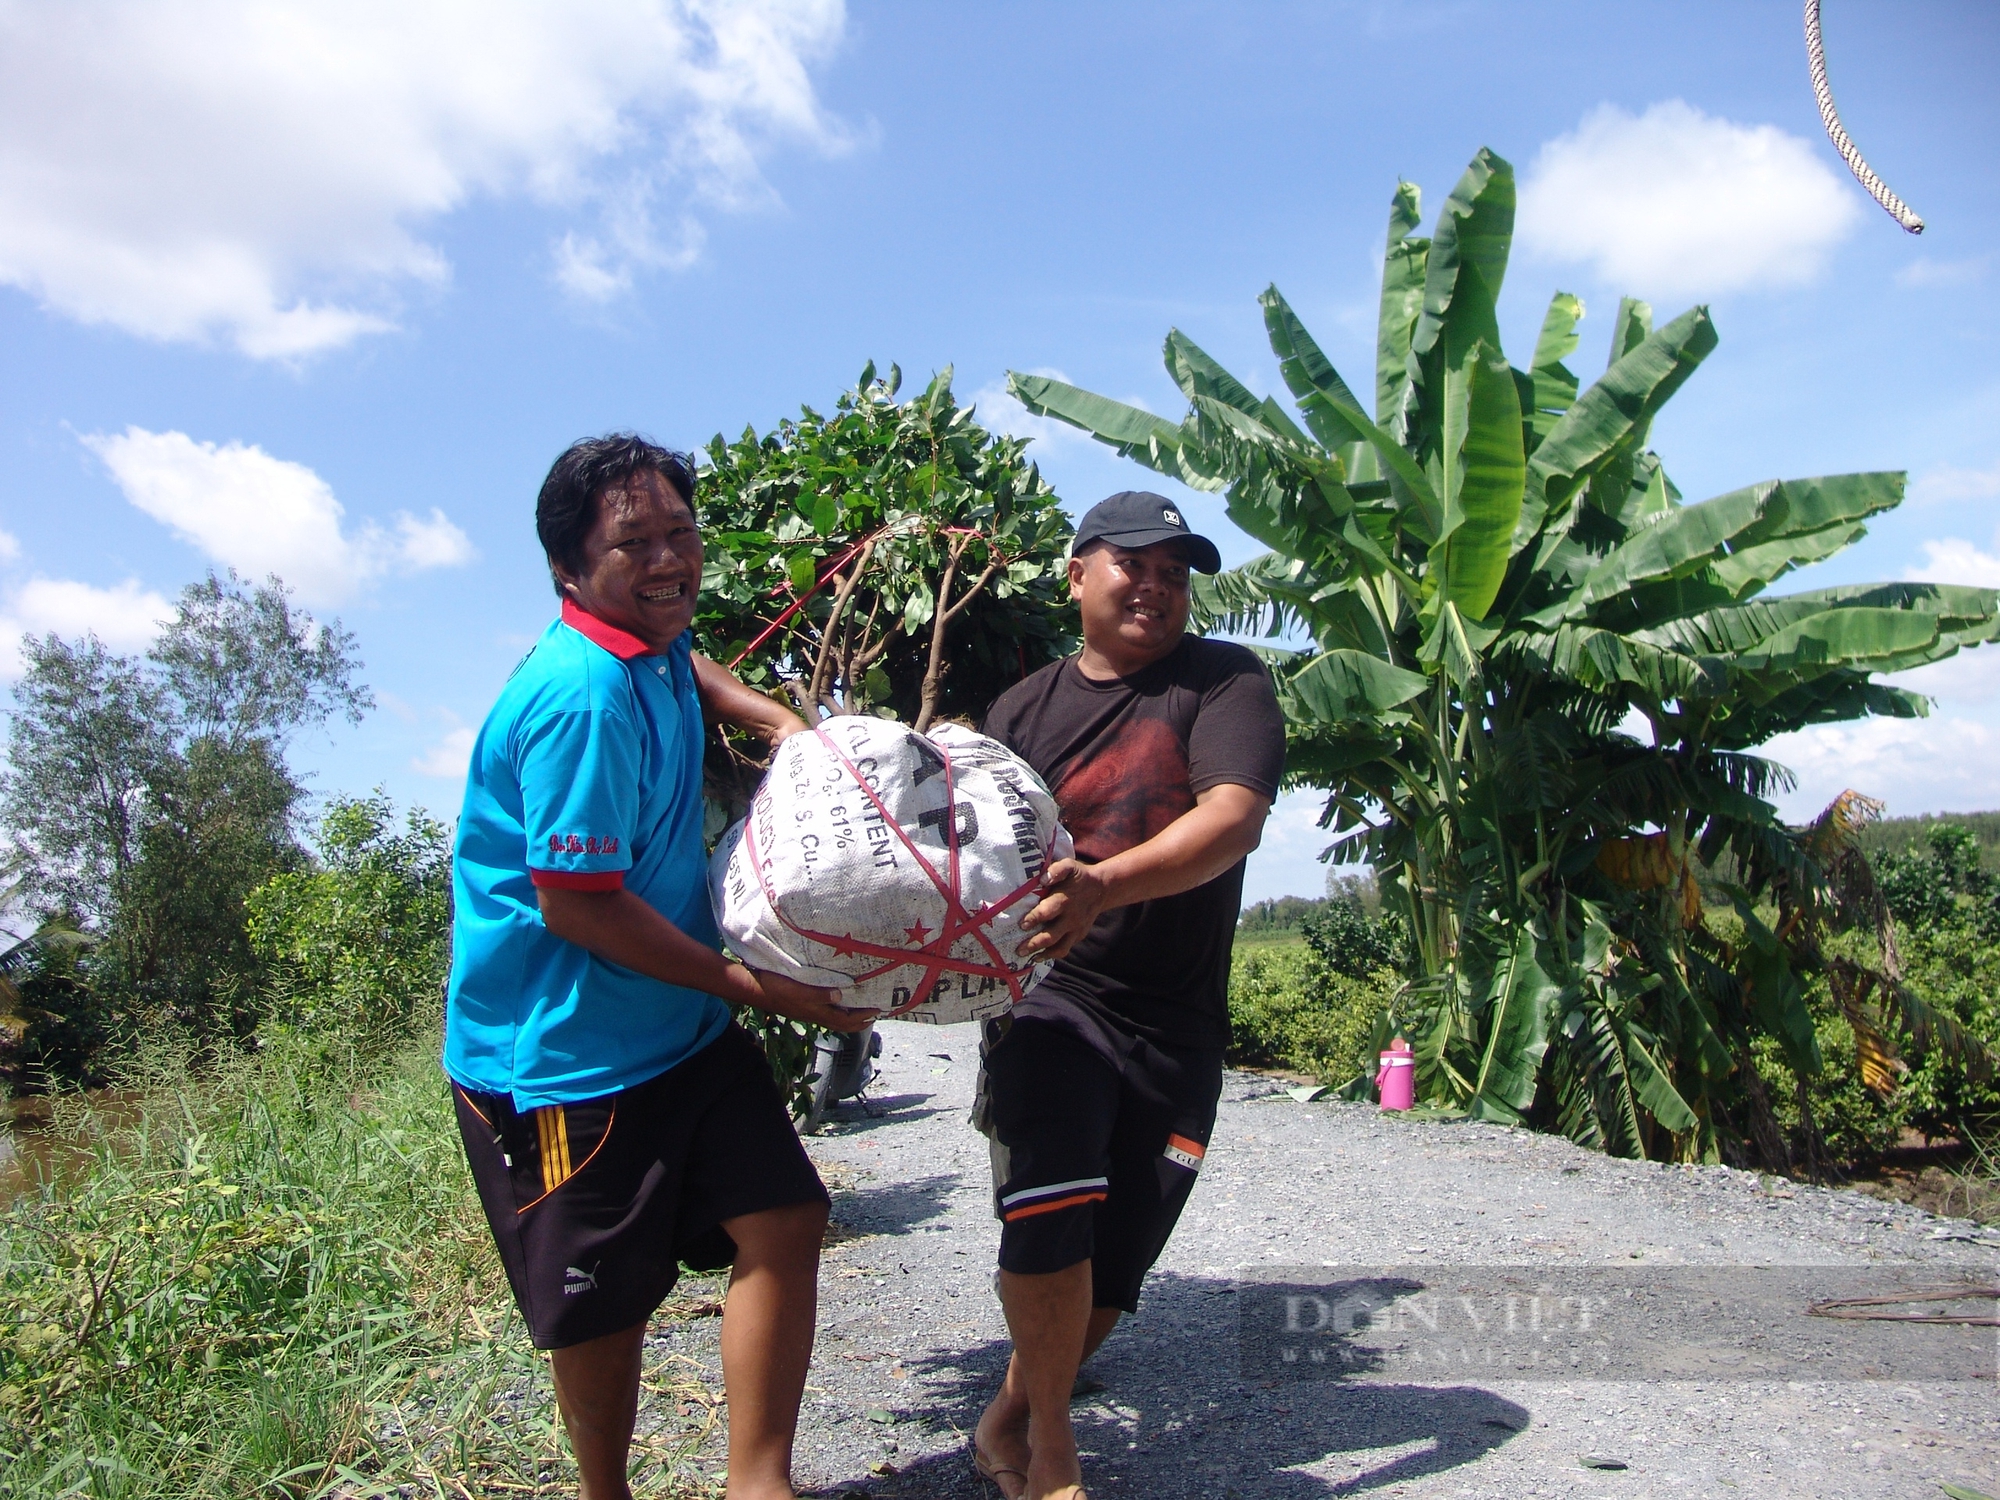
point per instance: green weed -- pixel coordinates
(276, 1282)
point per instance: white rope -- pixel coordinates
(1900, 211)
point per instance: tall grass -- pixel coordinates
(275, 1281)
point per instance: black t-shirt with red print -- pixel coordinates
(1124, 759)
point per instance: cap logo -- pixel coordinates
(1171, 517)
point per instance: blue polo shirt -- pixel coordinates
(587, 775)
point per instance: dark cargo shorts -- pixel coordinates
(596, 1205)
(1093, 1159)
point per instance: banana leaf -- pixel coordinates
(1605, 415)
(1468, 257)
(1518, 1010)
(1404, 267)
(1483, 480)
(1198, 375)
(1336, 687)
(1136, 434)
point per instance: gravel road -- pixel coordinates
(911, 1340)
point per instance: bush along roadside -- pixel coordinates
(1316, 1006)
(1474, 582)
(1872, 1091)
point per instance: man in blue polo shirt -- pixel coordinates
(617, 1122)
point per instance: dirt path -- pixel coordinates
(911, 1339)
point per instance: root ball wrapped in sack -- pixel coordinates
(893, 865)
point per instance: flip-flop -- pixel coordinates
(991, 1472)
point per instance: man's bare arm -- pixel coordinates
(623, 929)
(1226, 823)
(724, 697)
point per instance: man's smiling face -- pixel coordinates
(1134, 601)
(641, 563)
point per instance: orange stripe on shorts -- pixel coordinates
(1048, 1208)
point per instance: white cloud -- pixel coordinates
(262, 173)
(1937, 764)
(1948, 482)
(999, 411)
(448, 758)
(1286, 862)
(599, 269)
(1925, 272)
(1674, 202)
(433, 543)
(10, 547)
(1954, 560)
(125, 617)
(1969, 679)
(260, 514)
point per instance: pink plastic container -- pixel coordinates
(1396, 1079)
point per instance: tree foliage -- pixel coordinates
(1495, 576)
(147, 797)
(890, 557)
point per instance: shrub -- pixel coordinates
(1288, 1010)
(1955, 971)
(1350, 943)
(359, 946)
(1956, 968)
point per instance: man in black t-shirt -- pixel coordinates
(1163, 751)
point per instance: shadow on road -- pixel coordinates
(873, 1111)
(891, 1207)
(1177, 1419)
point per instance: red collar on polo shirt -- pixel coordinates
(620, 643)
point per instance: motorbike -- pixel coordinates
(843, 1065)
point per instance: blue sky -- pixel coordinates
(324, 289)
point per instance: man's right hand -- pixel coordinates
(805, 1002)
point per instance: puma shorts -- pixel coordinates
(596, 1205)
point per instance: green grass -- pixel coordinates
(1270, 940)
(277, 1281)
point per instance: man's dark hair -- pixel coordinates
(567, 506)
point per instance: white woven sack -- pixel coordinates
(879, 890)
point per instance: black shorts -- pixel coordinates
(1094, 1157)
(595, 1205)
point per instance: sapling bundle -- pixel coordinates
(892, 865)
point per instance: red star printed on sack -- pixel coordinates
(917, 934)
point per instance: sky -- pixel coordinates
(322, 290)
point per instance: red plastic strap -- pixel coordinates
(936, 954)
(826, 577)
(956, 919)
(800, 603)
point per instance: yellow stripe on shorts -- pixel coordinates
(552, 1133)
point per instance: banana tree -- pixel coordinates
(1529, 667)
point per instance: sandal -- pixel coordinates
(991, 1472)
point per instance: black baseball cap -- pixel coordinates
(1139, 518)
